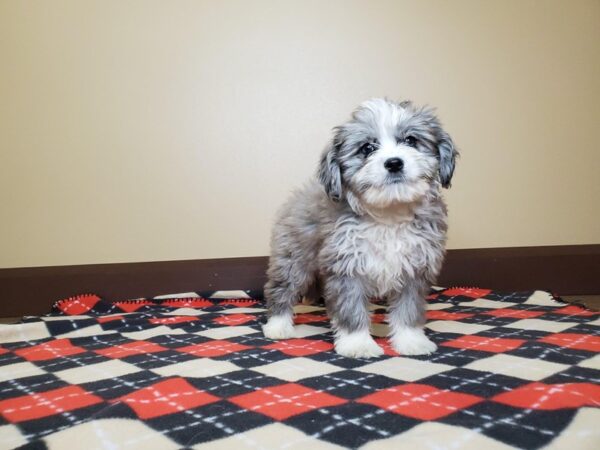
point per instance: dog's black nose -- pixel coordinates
(393, 165)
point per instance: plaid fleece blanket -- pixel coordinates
(512, 370)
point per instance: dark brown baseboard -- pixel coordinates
(565, 270)
(561, 269)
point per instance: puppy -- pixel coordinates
(372, 223)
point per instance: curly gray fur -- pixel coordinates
(362, 228)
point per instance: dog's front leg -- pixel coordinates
(407, 318)
(280, 298)
(347, 305)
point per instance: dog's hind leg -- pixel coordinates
(407, 319)
(347, 305)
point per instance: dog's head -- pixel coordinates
(387, 153)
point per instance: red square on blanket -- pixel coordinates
(132, 305)
(166, 397)
(111, 318)
(240, 303)
(514, 313)
(445, 315)
(300, 347)
(131, 348)
(379, 318)
(78, 305)
(420, 401)
(551, 396)
(574, 340)
(49, 350)
(485, 344)
(286, 400)
(213, 348)
(384, 343)
(35, 406)
(574, 310)
(234, 319)
(466, 292)
(188, 303)
(309, 318)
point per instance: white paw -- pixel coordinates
(279, 327)
(359, 344)
(412, 341)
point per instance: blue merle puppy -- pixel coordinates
(372, 223)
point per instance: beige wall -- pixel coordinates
(155, 130)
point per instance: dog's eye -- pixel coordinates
(411, 141)
(368, 148)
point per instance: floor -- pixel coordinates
(591, 301)
(9, 319)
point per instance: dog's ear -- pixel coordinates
(330, 174)
(448, 156)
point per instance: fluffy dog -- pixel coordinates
(371, 224)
